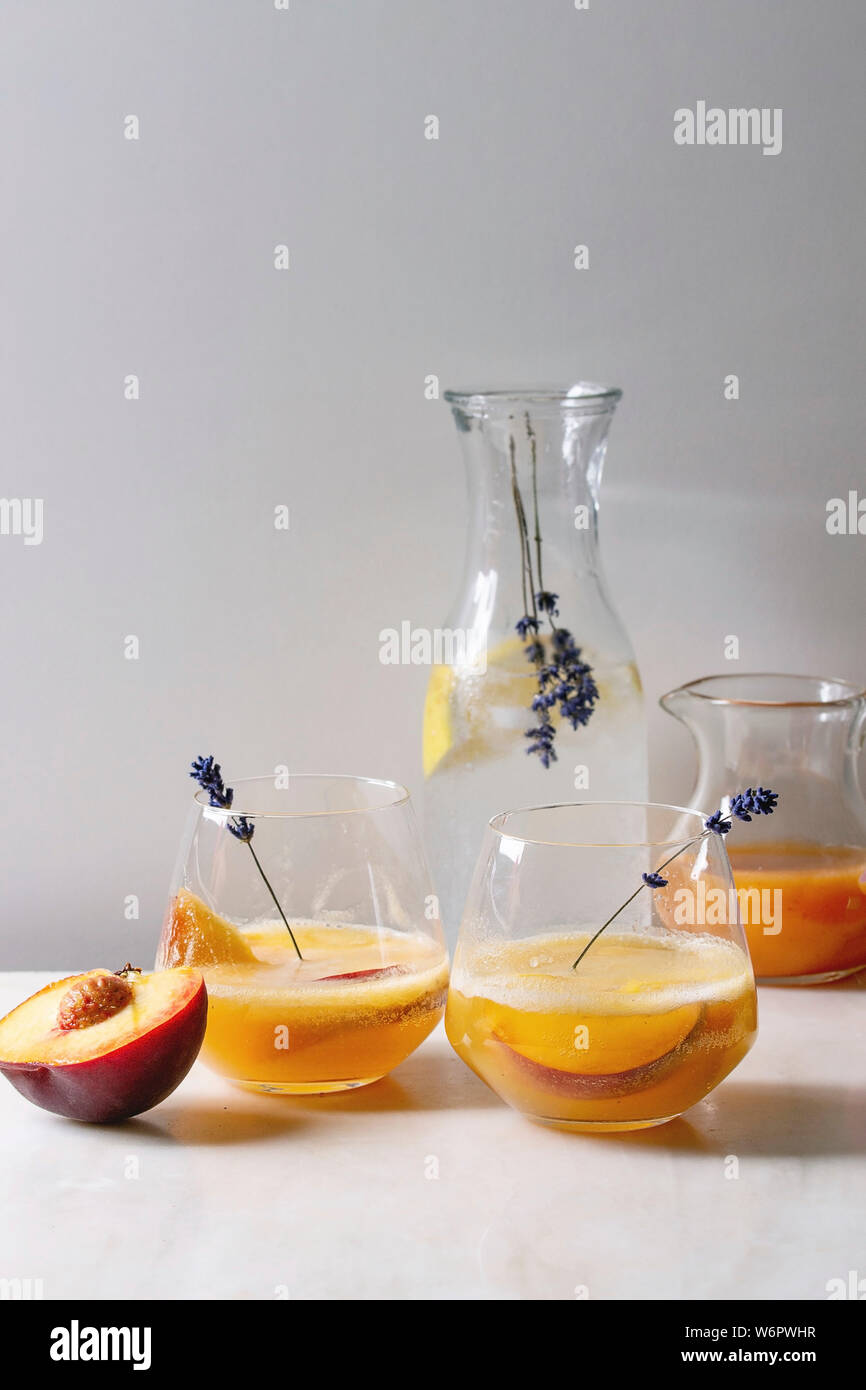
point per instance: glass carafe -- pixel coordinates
(541, 451)
(800, 873)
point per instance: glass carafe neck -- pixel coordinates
(542, 453)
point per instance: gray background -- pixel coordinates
(408, 257)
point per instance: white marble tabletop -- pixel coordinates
(425, 1186)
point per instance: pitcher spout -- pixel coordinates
(676, 702)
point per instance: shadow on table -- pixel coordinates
(766, 1119)
(423, 1082)
(213, 1123)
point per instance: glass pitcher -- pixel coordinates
(800, 873)
(534, 462)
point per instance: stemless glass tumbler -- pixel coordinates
(624, 1031)
(308, 906)
(801, 872)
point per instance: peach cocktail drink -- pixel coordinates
(801, 876)
(355, 1007)
(645, 1028)
(327, 973)
(821, 931)
(620, 1032)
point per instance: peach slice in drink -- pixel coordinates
(377, 972)
(597, 1043)
(195, 935)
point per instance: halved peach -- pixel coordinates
(194, 935)
(102, 1046)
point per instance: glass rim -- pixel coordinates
(586, 396)
(400, 798)
(854, 692)
(495, 824)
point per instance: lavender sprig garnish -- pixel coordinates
(209, 776)
(758, 801)
(563, 677)
(718, 824)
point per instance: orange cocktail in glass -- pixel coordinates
(307, 905)
(646, 1029)
(576, 994)
(350, 1011)
(821, 931)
